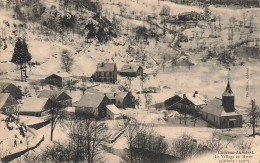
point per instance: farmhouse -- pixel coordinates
(113, 112)
(106, 72)
(189, 101)
(131, 70)
(92, 105)
(57, 96)
(222, 112)
(35, 106)
(122, 99)
(12, 89)
(58, 80)
(8, 104)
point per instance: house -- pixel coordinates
(106, 72)
(12, 89)
(122, 99)
(189, 16)
(60, 97)
(8, 104)
(222, 112)
(92, 104)
(33, 106)
(189, 101)
(131, 70)
(58, 80)
(113, 112)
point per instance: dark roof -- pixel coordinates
(52, 94)
(106, 66)
(228, 91)
(53, 76)
(215, 107)
(188, 13)
(130, 68)
(92, 100)
(119, 95)
(3, 86)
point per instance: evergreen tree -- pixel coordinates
(21, 56)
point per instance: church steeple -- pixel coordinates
(228, 91)
(228, 99)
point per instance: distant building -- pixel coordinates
(8, 104)
(12, 89)
(189, 16)
(183, 61)
(92, 104)
(106, 72)
(35, 106)
(122, 99)
(57, 96)
(222, 112)
(58, 80)
(131, 70)
(189, 101)
(113, 112)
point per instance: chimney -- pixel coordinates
(114, 94)
(196, 92)
(184, 95)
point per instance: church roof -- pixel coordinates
(215, 107)
(228, 91)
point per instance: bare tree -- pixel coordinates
(184, 146)
(66, 60)
(148, 100)
(83, 87)
(254, 115)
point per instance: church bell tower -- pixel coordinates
(228, 99)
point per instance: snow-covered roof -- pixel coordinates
(52, 94)
(129, 68)
(33, 104)
(118, 95)
(106, 66)
(196, 99)
(90, 100)
(215, 107)
(113, 109)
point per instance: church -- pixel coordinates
(222, 112)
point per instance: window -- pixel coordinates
(105, 74)
(99, 74)
(110, 73)
(214, 118)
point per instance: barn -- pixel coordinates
(35, 106)
(131, 70)
(92, 104)
(57, 96)
(188, 100)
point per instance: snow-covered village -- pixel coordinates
(129, 81)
